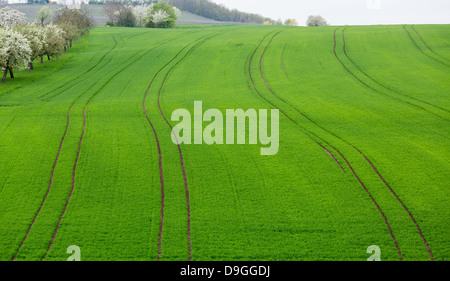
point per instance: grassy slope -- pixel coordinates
(296, 205)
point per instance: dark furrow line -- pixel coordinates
(418, 48)
(73, 183)
(161, 174)
(284, 101)
(375, 90)
(85, 73)
(383, 180)
(49, 185)
(391, 190)
(52, 172)
(430, 253)
(347, 162)
(79, 148)
(384, 86)
(186, 185)
(423, 41)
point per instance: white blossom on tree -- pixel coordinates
(15, 52)
(55, 41)
(177, 12)
(316, 21)
(37, 39)
(150, 9)
(11, 17)
(44, 14)
(140, 13)
(159, 16)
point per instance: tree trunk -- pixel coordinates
(11, 72)
(42, 58)
(30, 66)
(48, 56)
(4, 75)
(65, 50)
(70, 43)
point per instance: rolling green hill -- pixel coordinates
(86, 156)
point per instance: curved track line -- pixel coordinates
(49, 185)
(52, 173)
(418, 48)
(430, 253)
(373, 89)
(423, 41)
(186, 185)
(85, 73)
(379, 175)
(347, 162)
(384, 86)
(161, 174)
(79, 147)
(268, 87)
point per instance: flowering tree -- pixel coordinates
(15, 52)
(55, 41)
(71, 33)
(161, 15)
(140, 13)
(44, 14)
(316, 21)
(11, 17)
(36, 37)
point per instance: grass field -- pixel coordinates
(86, 156)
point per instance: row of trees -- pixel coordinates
(22, 43)
(211, 10)
(158, 15)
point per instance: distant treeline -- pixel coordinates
(208, 9)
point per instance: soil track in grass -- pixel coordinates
(81, 141)
(161, 173)
(282, 112)
(426, 45)
(418, 48)
(186, 185)
(384, 86)
(375, 90)
(394, 239)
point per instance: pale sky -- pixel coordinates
(349, 12)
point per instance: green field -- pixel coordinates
(363, 158)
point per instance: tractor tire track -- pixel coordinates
(85, 73)
(186, 185)
(377, 172)
(80, 144)
(418, 48)
(429, 48)
(53, 170)
(394, 239)
(161, 173)
(384, 86)
(374, 169)
(430, 253)
(375, 90)
(284, 101)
